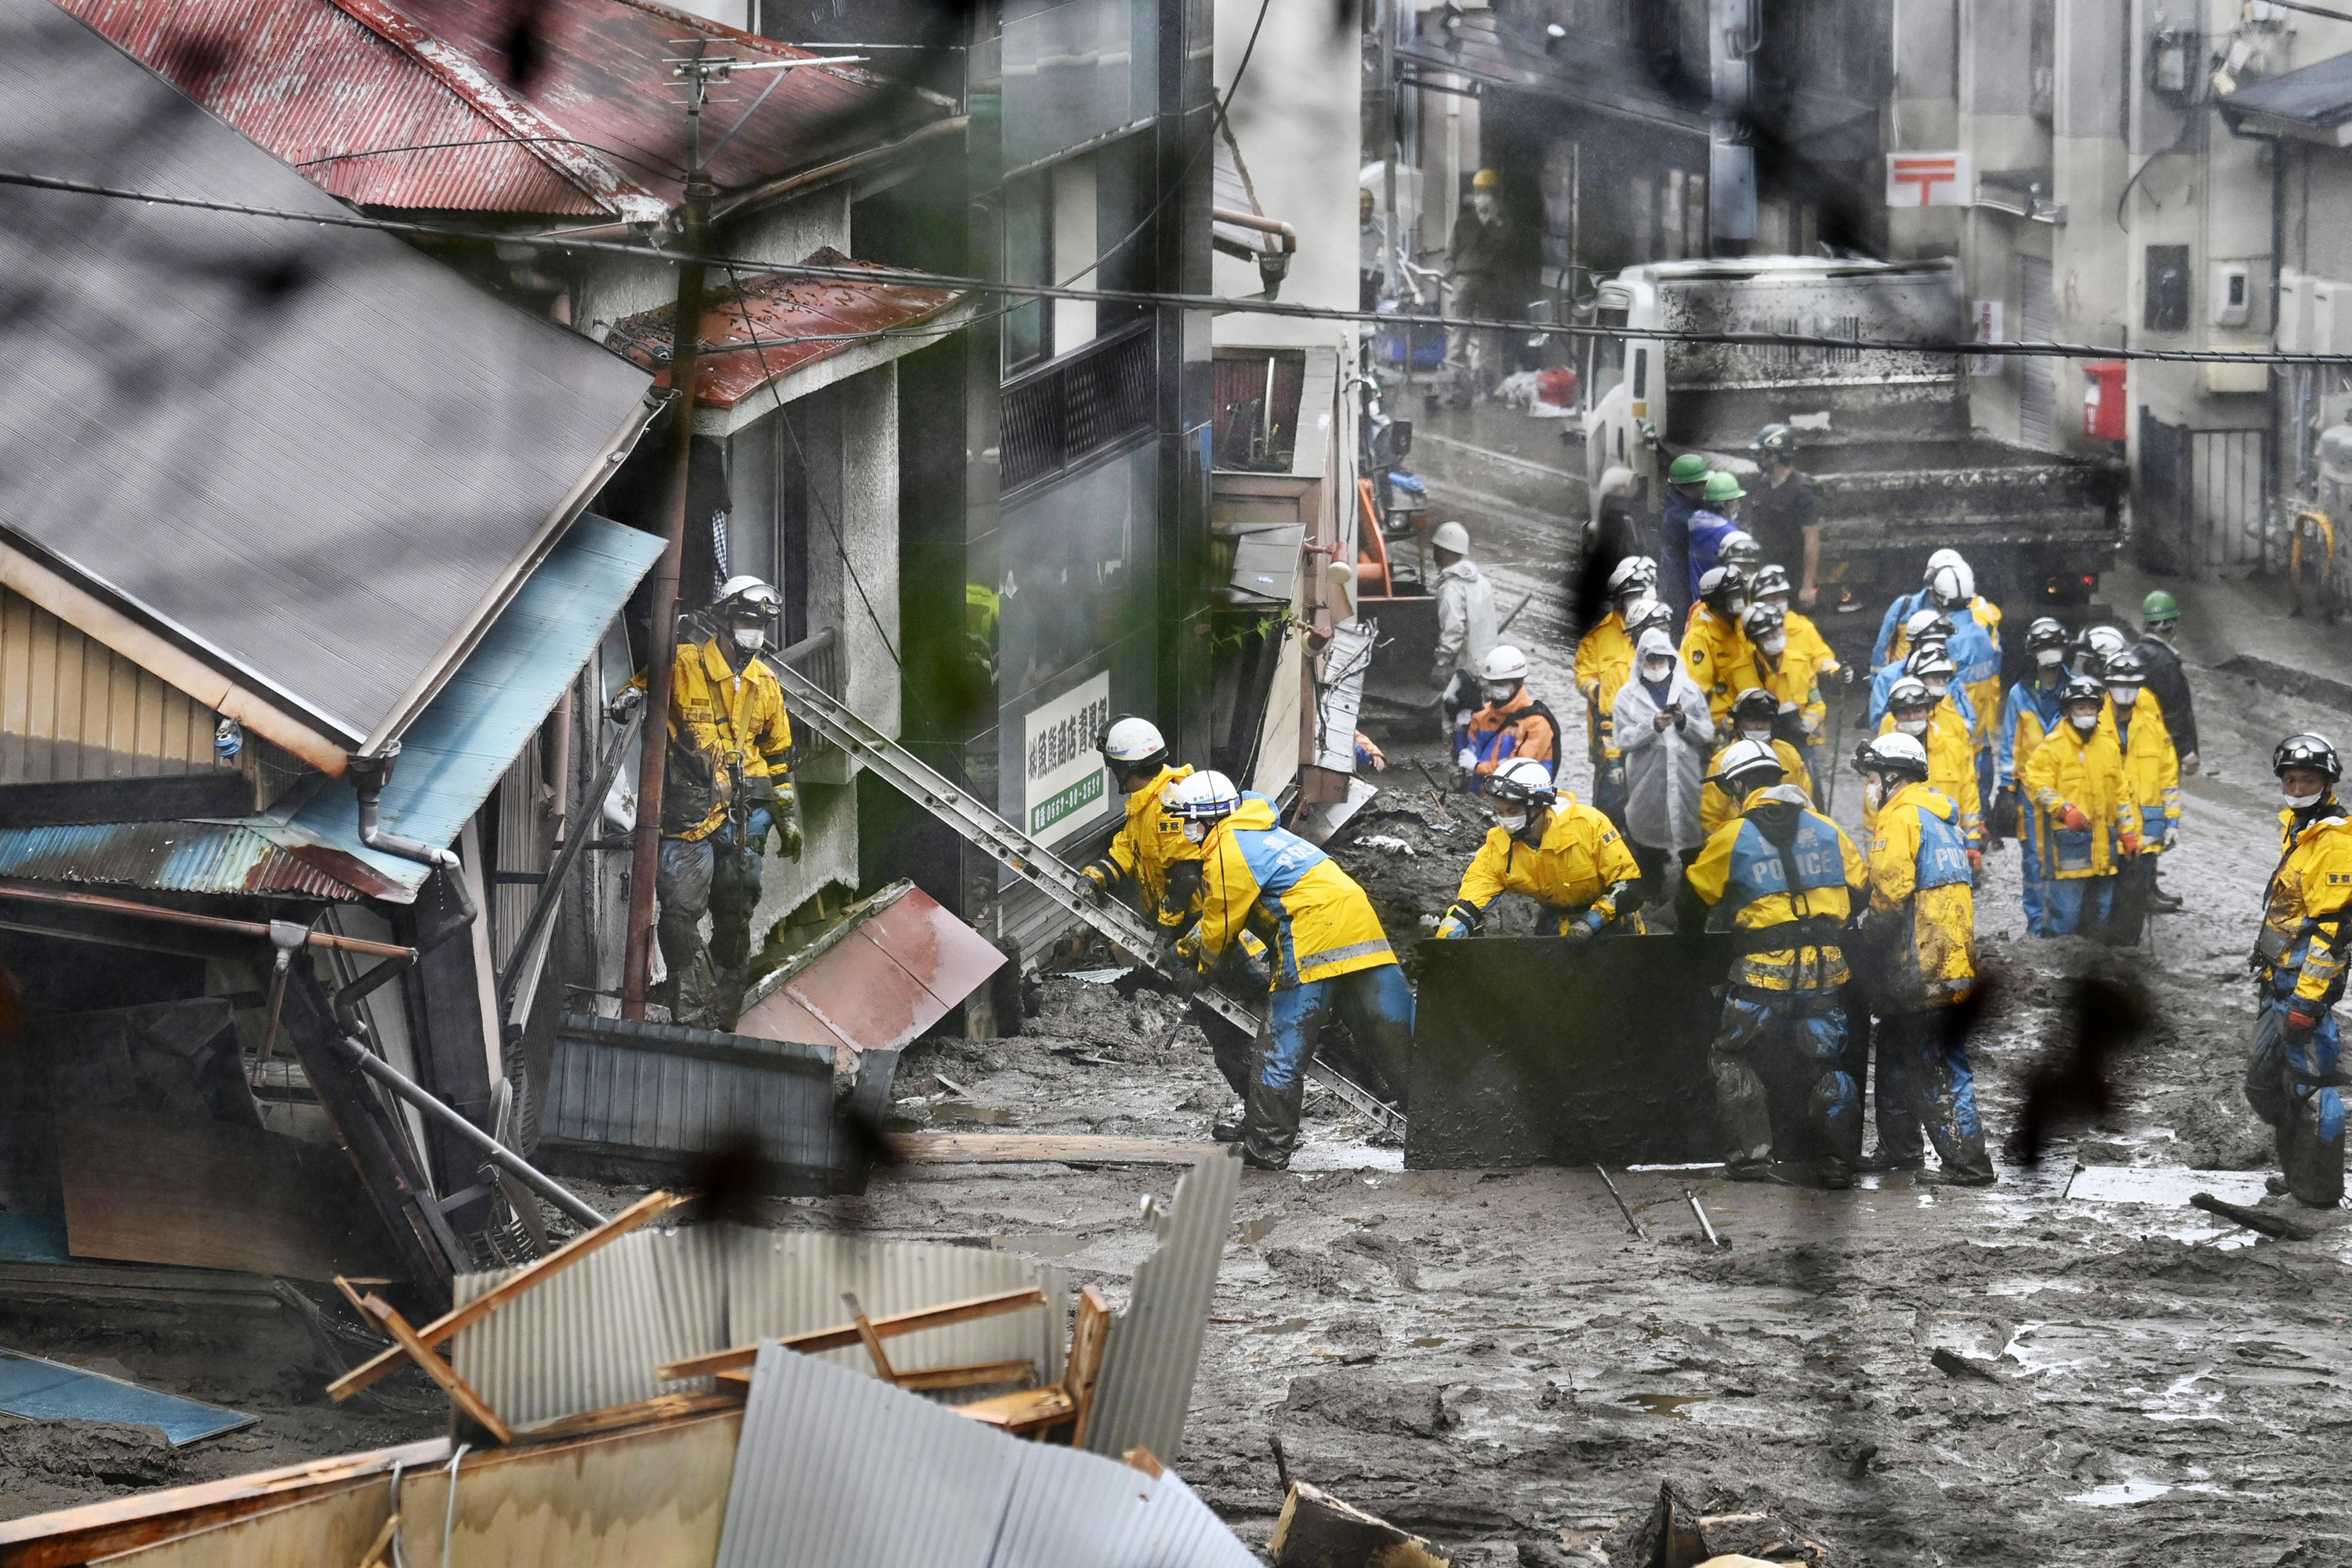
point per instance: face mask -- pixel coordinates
(1484, 205)
(1196, 831)
(1498, 695)
(1911, 726)
(1938, 687)
(2085, 722)
(750, 638)
(1734, 607)
(2302, 802)
(1874, 790)
(1513, 825)
(2050, 658)
(1774, 644)
(1656, 669)
(1763, 734)
(2125, 696)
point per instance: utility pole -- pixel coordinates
(686, 340)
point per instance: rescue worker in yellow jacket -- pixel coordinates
(1786, 879)
(726, 787)
(1913, 709)
(2032, 712)
(1716, 652)
(1566, 857)
(1148, 861)
(2088, 823)
(1916, 940)
(1328, 951)
(1795, 661)
(1604, 663)
(2292, 1073)
(1756, 715)
(2152, 774)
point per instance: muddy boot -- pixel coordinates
(1833, 1174)
(1270, 1125)
(1883, 1159)
(1227, 1127)
(2311, 1161)
(1746, 1115)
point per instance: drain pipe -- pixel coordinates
(368, 775)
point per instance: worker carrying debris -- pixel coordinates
(2298, 962)
(1328, 951)
(1787, 878)
(1511, 724)
(1566, 857)
(1604, 663)
(1915, 942)
(2088, 821)
(1149, 862)
(726, 787)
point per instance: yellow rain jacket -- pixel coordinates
(1721, 660)
(1604, 663)
(1788, 906)
(1922, 902)
(2310, 894)
(1715, 807)
(1577, 869)
(1318, 920)
(1149, 846)
(718, 717)
(1951, 769)
(1800, 675)
(2152, 768)
(2070, 768)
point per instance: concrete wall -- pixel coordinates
(613, 287)
(1297, 120)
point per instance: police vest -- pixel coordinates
(1943, 852)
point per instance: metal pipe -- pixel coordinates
(1263, 225)
(551, 891)
(368, 775)
(103, 904)
(1704, 1224)
(498, 1154)
(954, 125)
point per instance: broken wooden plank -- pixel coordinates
(969, 1375)
(652, 1206)
(1089, 1339)
(1045, 1148)
(1317, 1531)
(872, 1341)
(846, 1335)
(2261, 1221)
(439, 1371)
(652, 1412)
(1030, 1410)
(374, 1554)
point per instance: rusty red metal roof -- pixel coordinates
(604, 75)
(887, 974)
(369, 106)
(793, 321)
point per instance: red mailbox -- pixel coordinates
(2102, 399)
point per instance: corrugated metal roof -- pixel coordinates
(1232, 190)
(887, 973)
(796, 322)
(317, 81)
(452, 756)
(835, 1471)
(1154, 1349)
(173, 857)
(313, 457)
(2319, 95)
(601, 73)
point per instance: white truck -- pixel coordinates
(1885, 433)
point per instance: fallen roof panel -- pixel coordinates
(312, 457)
(168, 857)
(891, 971)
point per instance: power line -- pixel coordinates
(1213, 303)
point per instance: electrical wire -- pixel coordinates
(1213, 303)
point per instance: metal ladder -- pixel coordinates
(1027, 859)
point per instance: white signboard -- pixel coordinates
(1985, 319)
(1064, 785)
(1930, 180)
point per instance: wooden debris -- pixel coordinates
(383, 1542)
(1952, 1364)
(1317, 1531)
(2264, 1221)
(1143, 1460)
(1672, 1536)
(738, 1357)
(459, 1392)
(1035, 1411)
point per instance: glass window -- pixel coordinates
(1028, 253)
(1077, 570)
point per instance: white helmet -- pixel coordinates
(1952, 586)
(1938, 561)
(1132, 741)
(1739, 549)
(755, 592)
(1503, 663)
(1896, 753)
(1633, 572)
(1451, 536)
(1524, 779)
(1202, 797)
(1645, 613)
(1743, 757)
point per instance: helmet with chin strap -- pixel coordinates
(1742, 766)
(2307, 750)
(1897, 753)
(1523, 780)
(1132, 745)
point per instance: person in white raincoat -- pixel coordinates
(1663, 728)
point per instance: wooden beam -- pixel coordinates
(620, 1417)
(439, 1371)
(374, 1554)
(969, 1375)
(841, 1338)
(650, 1207)
(1030, 1410)
(873, 1341)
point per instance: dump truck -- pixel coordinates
(1898, 467)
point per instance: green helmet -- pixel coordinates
(1722, 487)
(1778, 440)
(2158, 608)
(1690, 469)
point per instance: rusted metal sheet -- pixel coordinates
(333, 88)
(601, 70)
(887, 972)
(169, 857)
(71, 708)
(793, 322)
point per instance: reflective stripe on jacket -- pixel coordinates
(1921, 882)
(1322, 922)
(2308, 895)
(1582, 857)
(1804, 894)
(1951, 768)
(725, 720)
(2151, 767)
(2086, 772)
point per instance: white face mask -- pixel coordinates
(1938, 687)
(1484, 205)
(2050, 658)
(1500, 694)
(2125, 696)
(1734, 607)
(1774, 644)
(1656, 669)
(1763, 735)
(2085, 722)
(1911, 726)
(750, 639)
(1513, 823)
(2300, 802)
(1196, 831)
(1874, 790)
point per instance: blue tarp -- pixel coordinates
(48, 1391)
